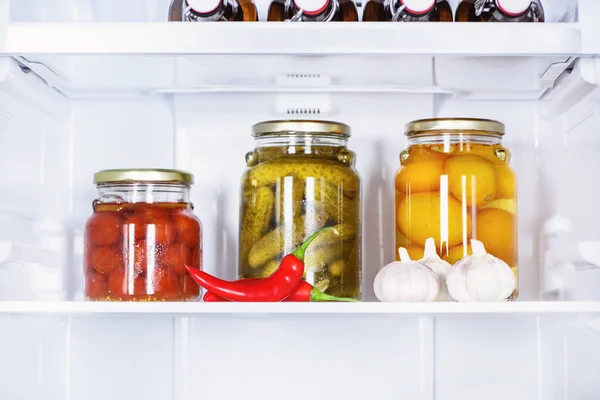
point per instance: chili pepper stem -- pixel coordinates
(317, 295)
(300, 251)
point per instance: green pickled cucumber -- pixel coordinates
(317, 258)
(337, 267)
(269, 173)
(289, 194)
(330, 246)
(285, 238)
(269, 268)
(341, 232)
(336, 204)
(256, 219)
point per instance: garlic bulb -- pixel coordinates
(439, 266)
(406, 280)
(480, 277)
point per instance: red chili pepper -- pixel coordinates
(276, 287)
(304, 292)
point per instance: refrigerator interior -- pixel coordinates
(72, 105)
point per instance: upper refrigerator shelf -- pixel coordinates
(359, 38)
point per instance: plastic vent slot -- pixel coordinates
(303, 111)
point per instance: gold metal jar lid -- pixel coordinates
(454, 126)
(143, 175)
(300, 127)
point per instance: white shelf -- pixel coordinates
(283, 38)
(506, 61)
(197, 309)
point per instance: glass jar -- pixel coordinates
(140, 237)
(455, 184)
(301, 178)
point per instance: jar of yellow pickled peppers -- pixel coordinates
(300, 178)
(455, 184)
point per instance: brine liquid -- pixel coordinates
(138, 252)
(454, 193)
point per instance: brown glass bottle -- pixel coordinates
(313, 10)
(212, 10)
(500, 11)
(427, 11)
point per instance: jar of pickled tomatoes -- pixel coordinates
(141, 236)
(454, 184)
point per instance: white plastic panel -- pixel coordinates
(497, 357)
(34, 358)
(34, 182)
(319, 356)
(385, 356)
(121, 359)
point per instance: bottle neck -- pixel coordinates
(143, 192)
(324, 147)
(312, 10)
(411, 10)
(451, 139)
(203, 10)
(509, 10)
(513, 8)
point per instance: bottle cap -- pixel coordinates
(312, 7)
(513, 7)
(143, 175)
(300, 128)
(418, 6)
(454, 126)
(204, 6)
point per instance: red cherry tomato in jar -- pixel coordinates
(188, 228)
(106, 259)
(123, 286)
(164, 282)
(104, 228)
(137, 258)
(151, 224)
(189, 286)
(96, 287)
(176, 256)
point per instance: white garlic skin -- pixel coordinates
(406, 282)
(439, 266)
(441, 269)
(480, 278)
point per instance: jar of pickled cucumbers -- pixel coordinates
(141, 236)
(300, 178)
(455, 184)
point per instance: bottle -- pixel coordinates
(408, 10)
(500, 11)
(212, 10)
(312, 10)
